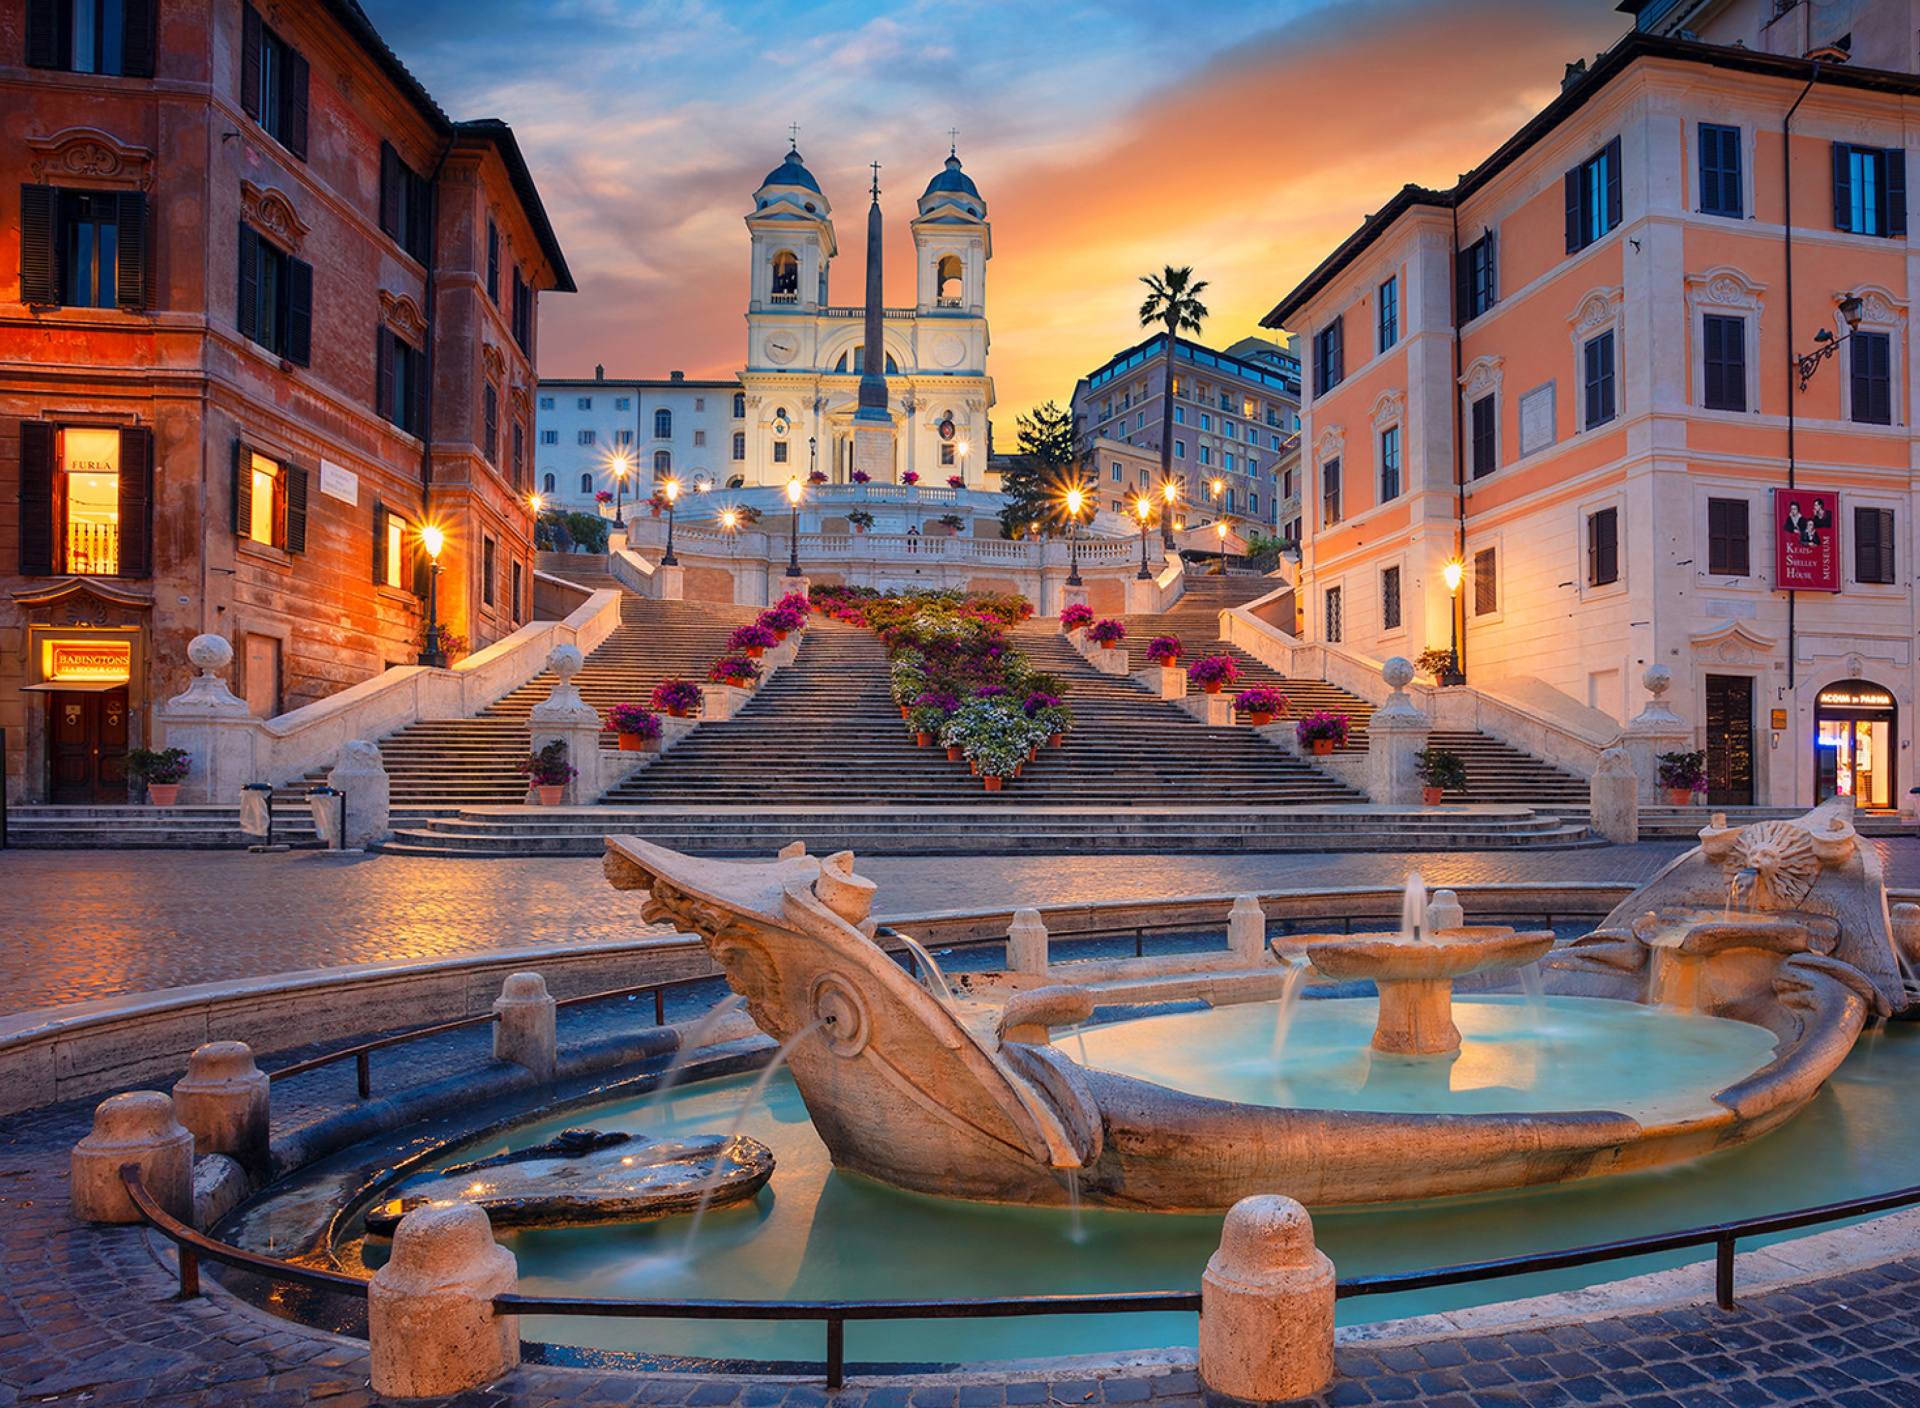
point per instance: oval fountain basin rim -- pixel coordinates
(1393, 957)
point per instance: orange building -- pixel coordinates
(265, 310)
(1578, 372)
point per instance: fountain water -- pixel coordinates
(1413, 907)
(691, 1041)
(936, 980)
(1283, 1009)
(754, 1095)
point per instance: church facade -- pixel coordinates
(801, 380)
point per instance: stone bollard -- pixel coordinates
(431, 1326)
(1906, 933)
(1027, 942)
(1444, 911)
(135, 1128)
(1266, 1305)
(222, 1100)
(1613, 813)
(523, 1028)
(1247, 929)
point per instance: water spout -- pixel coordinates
(691, 1041)
(1413, 907)
(936, 980)
(1741, 883)
(1289, 1003)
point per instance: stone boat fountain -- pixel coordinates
(964, 1095)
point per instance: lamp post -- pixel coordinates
(1454, 571)
(432, 539)
(1074, 500)
(1170, 491)
(1143, 507)
(1826, 344)
(1220, 567)
(793, 531)
(963, 459)
(672, 490)
(620, 470)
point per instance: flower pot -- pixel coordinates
(550, 796)
(741, 683)
(779, 635)
(656, 513)
(1167, 662)
(1058, 740)
(903, 711)
(1213, 686)
(1430, 795)
(993, 783)
(632, 743)
(1322, 746)
(954, 754)
(676, 713)
(923, 740)
(163, 794)
(1033, 753)
(753, 652)
(1260, 716)
(975, 766)
(1680, 796)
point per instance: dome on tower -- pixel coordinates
(792, 172)
(952, 179)
(951, 194)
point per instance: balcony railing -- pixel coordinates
(783, 298)
(93, 549)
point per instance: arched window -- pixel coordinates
(547, 485)
(739, 444)
(586, 483)
(663, 425)
(786, 277)
(662, 463)
(856, 361)
(947, 286)
(739, 405)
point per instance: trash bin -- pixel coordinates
(329, 815)
(1912, 811)
(256, 810)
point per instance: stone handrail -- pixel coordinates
(634, 572)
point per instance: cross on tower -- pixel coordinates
(876, 180)
(793, 135)
(953, 141)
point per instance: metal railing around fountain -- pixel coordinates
(192, 1246)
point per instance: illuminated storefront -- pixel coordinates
(1853, 748)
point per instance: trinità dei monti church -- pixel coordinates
(801, 381)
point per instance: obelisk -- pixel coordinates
(872, 425)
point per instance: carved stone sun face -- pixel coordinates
(1780, 853)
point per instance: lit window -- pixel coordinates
(90, 460)
(398, 569)
(266, 487)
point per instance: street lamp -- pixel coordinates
(794, 491)
(1170, 491)
(1074, 501)
(963, 447)
(620, 471)
(432, 539)
(1143, 506)
(672, 490)
(1825, 343)
(1220, 567)
(1216, 488)
(1454, 570)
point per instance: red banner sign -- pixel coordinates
(1806, 534)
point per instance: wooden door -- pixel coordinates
(263, 676)
(87, 747)
(1730, 740)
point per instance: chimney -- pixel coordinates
(1576, 71)
(599, 371)
(676, 376)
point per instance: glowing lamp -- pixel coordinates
(671, 489)
(793, 490)
(1454, 571)
(432, 539)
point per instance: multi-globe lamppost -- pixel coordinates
(432, 539)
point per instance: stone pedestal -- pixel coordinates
(1027, 942)
(1214, 710)
(564, 715)
(431, 1326)
(720, 702)
(223, 1102)
(1166, 681)
(1614, 797)
(362, 776)
(873, 450)
(1655, 730)
(1247, 929)
(1444, 912)
(214, 725)
(1416, 1017)
(1143, 595)
(672, 583)
(1107, 661)
(1396, 735)
(1073, 596)
(523, 1027)
(1266, 1305)
(135, 1128)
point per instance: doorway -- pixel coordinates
(263, 676)
(87, 750)
(1854, 727)
(1730, 740)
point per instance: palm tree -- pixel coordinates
(1174, 302)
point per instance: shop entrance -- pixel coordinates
(1854, 744)
(1730, 740)
(87, 747)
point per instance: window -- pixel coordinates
(1593, 197)
(92, 36)
(786, 277)
(1140, 421)
(1597, 358)
(1179, 415)
(623, 403)
(493, 263)
(584, 403)
(1229, 501)
(522, 312)
(549, 437)
(779, 452)
(486, 571)
(623, 437)
(1226, 462)
(739, 444)
(1485, 459)
(273, 83)
(1727, 537)
(1336, 626)
(1330, 493)
(699, 403)
(1603, 547)
(275, 302)
(586, 483)
(406, 205)
(1117, 473)
(1475, 271)
(86, 501)
(1870, 190)
(662, 463)
(1389, 464)
(518, 586)
(739, 405)
(1725, 351)
(585, 437)
(1253, 502)
(519, 454)
(1390, 598)
(947, 455)
(699, 437)
(1206, 454)
(1873, 545)
(1871, 372)
(1486, 596)
(400, 373)
(663, 425)
(397, 561)
(1206, 421)
(1253, 436)
(1180, 449)
(1720, 170)
(269, 500)
(490, 423)
(547, 484)
(83, 249)
(1329, 359)
(1388, 323)
(546, 403)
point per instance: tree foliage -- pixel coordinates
(1173, 301)
(1038, 475)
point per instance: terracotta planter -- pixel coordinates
(903, 711)
(1033, 753)
(550, 796)
(1322, 746)
(975, 767)
(753, 651)
(163, 794)
(1058, 740)
(993, 783)
(1213, 686)
(676, 713)
(741, 683)
(1430, 795)
(923, 740)
(634, 743)
(954, 755)
(1679, 796)
(656, 513)
(1167, 664)
(1260, 716)
(780, 635)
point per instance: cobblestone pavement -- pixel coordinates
(90, 924)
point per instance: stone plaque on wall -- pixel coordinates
(873, 453)
(1536, 419)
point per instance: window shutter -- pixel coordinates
(1733, 363)
(299, 345)
(1866, 545)
(295, 98)
(295, 479)
(1489, 242)
(136, 502)
(1709, 169)
(1462, 285)
(138, 38)
(1897, 191)
(379, 544)
(1339, 349)
(1885, 519)
(1485, 594)
(389, 189)
(36, 499)
(130, 260)
(39, 274)
(1573, 211)
(250, 39)
(422, 570)
(247, 315)
(420, 218)
(1842, 187)
(242, 489)
(1613, 183)
(383, 374)
(493, 261)
(490, 423)
(43, 34)
(418, 395)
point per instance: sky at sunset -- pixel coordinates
(1108, 139)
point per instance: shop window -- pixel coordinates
(85, 501)
(273, 83)
(269, 500)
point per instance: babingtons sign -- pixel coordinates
(1806, 535)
